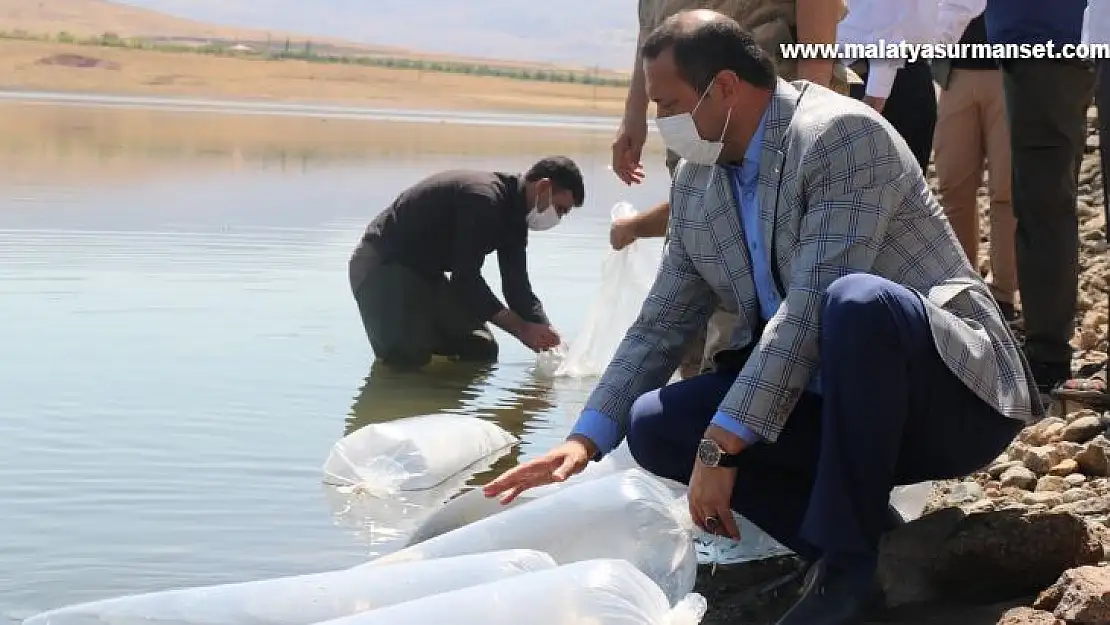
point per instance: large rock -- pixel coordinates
(1094, 458)
(1029, 616)
(1083, 429)
(1081, 596)
(983, 557)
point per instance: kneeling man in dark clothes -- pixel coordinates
(867, 352)
(447, 224)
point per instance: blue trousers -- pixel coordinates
(890, 413)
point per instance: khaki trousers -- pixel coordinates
(971, 136)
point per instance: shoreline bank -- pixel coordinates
(36, 66)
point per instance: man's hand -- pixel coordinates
(538, 336)
(622, 233)
(555, 466)
(628, 147)
(710, 499)
(876, 103)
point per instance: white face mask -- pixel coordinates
(681, 136)
(543, 218)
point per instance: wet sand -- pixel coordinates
(150, 73)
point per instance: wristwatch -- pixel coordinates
(711, 455)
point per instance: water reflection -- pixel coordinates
(387, 394)
(131, 144)
(520, 405)
(186, 276)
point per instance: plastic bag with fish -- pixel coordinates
(629, 515)
(414, 453)
(301, 599)
(626, 279)
(473, 505)
(386, 524)
(590, 592)
(754, 544)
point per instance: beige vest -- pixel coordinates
(771, 23)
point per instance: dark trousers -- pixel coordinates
(1046, 105)
(409, 317)
(1102, 102)
(911, 107)
(891, 413)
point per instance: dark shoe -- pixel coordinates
(833, 596)
(1089, 389)
(1049, 375)
(1009, 313)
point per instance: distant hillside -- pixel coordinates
(95, 17)
(530, 34)
(581, 33)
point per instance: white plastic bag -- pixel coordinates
(384, 524)
(626, 279)
(413, 453)
(301, 599)
(474, 505)
(629, 515)
(591, 592)
(549, 361)
(755, 544)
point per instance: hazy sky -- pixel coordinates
(582, 32)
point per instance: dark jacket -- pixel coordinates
(1035, 21)
(448, 223)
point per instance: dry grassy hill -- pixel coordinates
(86, 18)
(34, 57)
(96, 17)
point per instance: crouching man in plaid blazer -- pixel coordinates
(868, 352)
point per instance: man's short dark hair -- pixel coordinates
(706, 48)
(563, 173)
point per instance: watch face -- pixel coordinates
(709, 453)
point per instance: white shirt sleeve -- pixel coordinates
(880, 77)
(872, 21)
(1096, 22)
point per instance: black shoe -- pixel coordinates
(833, 596)
(1049, 375)
(1009, 313)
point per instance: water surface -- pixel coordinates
(181, 349)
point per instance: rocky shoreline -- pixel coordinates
(1025, 541)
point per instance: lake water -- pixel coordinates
(180, 348)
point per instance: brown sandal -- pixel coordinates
(1090, 390)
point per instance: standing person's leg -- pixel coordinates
(959, 158)
(912, 109)
(1092, 389)
(1046, 105)
(397, 307)
(1102, 103)
(1003, 225)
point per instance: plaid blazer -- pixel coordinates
(841, 193)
